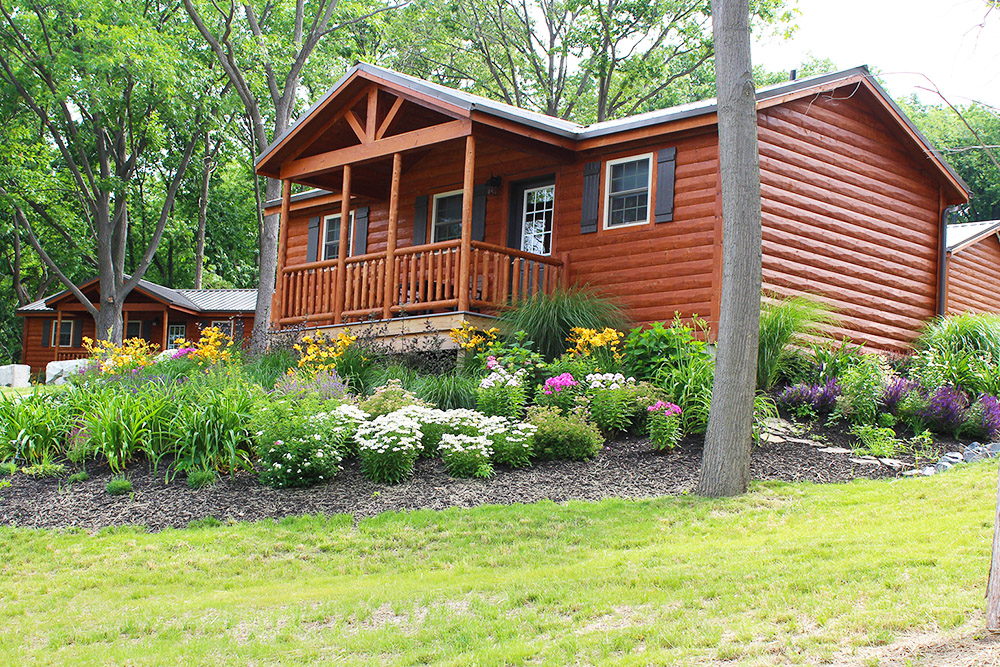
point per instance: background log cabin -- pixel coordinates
(854, 201)
(974, 267)
(54, 327)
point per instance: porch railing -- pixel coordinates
(75, 353)
(424, 279)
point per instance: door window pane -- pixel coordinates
(174, 333)
(536, 221)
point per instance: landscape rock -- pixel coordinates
(773, 438)
(834, 450)
(865, 461)
(913, 473)
(994, 448)
(952, 458)
(56, 372)
(928, 471)
(943, 466)
(15, 375)
(975, 452)
(895, 464)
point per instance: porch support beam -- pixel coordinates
(163, 335)
(390, 249)
(58, 344)
(464, 267)
(279, 296)
(342, 248)
(397, 143)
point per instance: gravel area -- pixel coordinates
(626, 468)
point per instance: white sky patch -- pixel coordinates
(901, 39)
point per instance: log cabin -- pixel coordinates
(457, 206)
(973, 276)
(54, 327)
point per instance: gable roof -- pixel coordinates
(962, 235)
(198, 301)
(467, 103)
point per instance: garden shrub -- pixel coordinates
(502, 393)
(466, 455)
(299, 461)
(809, 401)
(782, 321)
(548, 319)
(512, 442)
(611, 404)
(564, 435)
(119, 422)
(213, 430)
(33, 427)
(118, 487)
(562, 391)
(831, 360)
(982, 419)
(862, 388)
(664, 425)
(976, 334)
(389, 398)
(389, 445)
(647, 351)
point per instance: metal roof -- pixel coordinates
(967, 233)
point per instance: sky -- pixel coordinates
(900, 40)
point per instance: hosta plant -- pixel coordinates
(466, 455)
(389, 445)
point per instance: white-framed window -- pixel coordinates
(62, 336)
(627, 184)
(225, 326)
(133, 329)
(536, 219)
(446, 216)
(331, 236)
(175, 332)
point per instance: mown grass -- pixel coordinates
(789, 574)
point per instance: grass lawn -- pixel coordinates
(788, 574)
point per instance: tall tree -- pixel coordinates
(263, 48)
(584, 60)
(725, 468)
(108, 86)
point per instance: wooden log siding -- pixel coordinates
(849, 216)
(973, 277)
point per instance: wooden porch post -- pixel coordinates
(390, 248)
(58, 332)
(465, 257)
(124, 324)
(342, 248)
(163, 336)
(278, 302)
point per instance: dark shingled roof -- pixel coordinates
(199, 301)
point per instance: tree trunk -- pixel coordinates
(725, 468)
(993, 582)
(199, 251)
(268, 267)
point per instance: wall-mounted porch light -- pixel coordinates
(493, 186)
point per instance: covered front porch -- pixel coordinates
(435, 200)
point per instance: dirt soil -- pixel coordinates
(626, 468)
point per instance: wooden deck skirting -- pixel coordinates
(422, 278)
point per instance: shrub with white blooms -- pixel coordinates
(466, 455)
(611, 401)
(348, 418)
(512, 441)
(502, 393)
(389, 445)
(597, 381)
(302, 449)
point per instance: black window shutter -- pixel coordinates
(77, 333)
(420, 220)
(665, 167)
(361, 231)
(479, 212)
(312, 245)
(46, 333)
(591, 197)
(147, 330)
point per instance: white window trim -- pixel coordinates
(229, 323)
(56, 336)
(649, 190)
(434, 210)
(524, 212)
(350, 235)
(171, 345)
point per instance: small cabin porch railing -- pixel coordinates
(423, 278)
(66, 354)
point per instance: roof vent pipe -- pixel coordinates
(792, 76)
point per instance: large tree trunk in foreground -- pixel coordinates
(268, 269)
(993, 583)
(725, 468)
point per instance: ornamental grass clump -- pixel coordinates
(389, 445)
(782, 321)
(466, 455)
(664, 425)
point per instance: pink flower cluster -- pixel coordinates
(182, 352)
(556, 384)
(491, 362)
(664, 408)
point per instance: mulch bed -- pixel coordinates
(626, 468)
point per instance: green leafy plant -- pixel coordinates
(8, 468)
(45, 468)
(648, 350)
(548, 319)
(564, 435)
(968, 333)
(388, 398)
(118, 487)
(512, 442)
(199, 479)
(689, 385)
(831, 360)
(213, 432)
(502, 393)
(765, 410)
(32, 427)
(664, 425)
(265, 369)
(783, 321)
(120, 422)
(78, 477)
(862, 389)
(875, 440)
(466, 456)
(611, 404)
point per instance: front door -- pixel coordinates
(532, 203)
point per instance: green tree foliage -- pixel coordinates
(967, 153)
